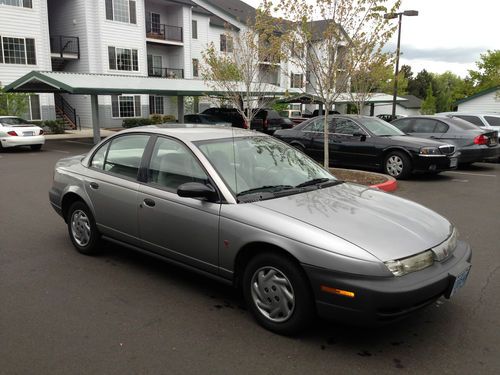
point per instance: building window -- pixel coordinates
(125, 106)
(17, 3)
(156, 105)
(123, 59)
(121, 11)
(226, 43)
(35, 112)
(196, 66)
(194, 29)
(296, 81)
(17, 51)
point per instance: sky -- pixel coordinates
(446, 35)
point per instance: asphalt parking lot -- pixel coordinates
(122, 312)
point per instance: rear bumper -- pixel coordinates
(379, 300)
(478, 153)
(22, 141)
(441, 163)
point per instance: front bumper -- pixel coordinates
(22, 141)
(383, 299)
(478, 153)
(437, 163)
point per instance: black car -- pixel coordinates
(368, 142)
(474, 144)
(199, 118)
(265, 120)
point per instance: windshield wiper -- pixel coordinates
(266, 188)
(317, 181)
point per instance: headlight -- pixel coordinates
(427, 151)
(445, 249)
(414, 263)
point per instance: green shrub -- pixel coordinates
(168, 118)
(55, 126)
(133, 122)
(156, 118)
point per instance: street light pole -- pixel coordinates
(398, 15)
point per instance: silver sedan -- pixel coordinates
(249, 210)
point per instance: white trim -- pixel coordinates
(116, 60)
(25, 51)
(133, 103)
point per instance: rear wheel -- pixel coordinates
(397, 164)
(36, 147)
(82, 229)
(278, 293)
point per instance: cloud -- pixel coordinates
(459, 55)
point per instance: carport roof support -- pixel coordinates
(109, 84)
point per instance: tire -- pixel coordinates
(82, 229)
(287, 282)
(398, 165)
(36, 147)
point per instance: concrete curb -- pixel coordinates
(390, 184)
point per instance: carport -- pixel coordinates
(109, 84)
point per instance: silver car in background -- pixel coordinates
(252, 211)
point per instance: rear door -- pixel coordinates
(314, 135)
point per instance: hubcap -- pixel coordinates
(273, 294)
(394, 165)
(80, 228)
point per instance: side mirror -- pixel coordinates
(196, 190)
(362, 136)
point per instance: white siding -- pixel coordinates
(485, 103)
(387, 109)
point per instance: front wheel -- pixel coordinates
(82, 229)
(398, 165)
(278, 294)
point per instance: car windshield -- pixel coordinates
(13, 121)
(251, 165)
(380, 128)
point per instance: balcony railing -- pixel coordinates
(164, 32)
(65, 46)
(165, 72)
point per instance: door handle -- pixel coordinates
(94, 185)
(149, 202)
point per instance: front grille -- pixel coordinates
(447, 149)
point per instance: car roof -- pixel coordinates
(195, 132)
(494, 114)
(11, 117)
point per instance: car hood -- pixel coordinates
(386, 226)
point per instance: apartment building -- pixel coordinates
(161, 39)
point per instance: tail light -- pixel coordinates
(41, 132)
(481, 140)
(12, 133)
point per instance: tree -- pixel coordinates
(448, 88)
(419, 85)
(328, 40)
(429, 103)
(406, 71)
(488, 74)
(243, 71)
(13, 104)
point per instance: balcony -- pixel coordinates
(166, 73)
(158, 32)
(65, 47)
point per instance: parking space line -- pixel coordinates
(81, 143)
(61, 151)
(474, 174)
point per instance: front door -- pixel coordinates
(184, 229)
(353, 145)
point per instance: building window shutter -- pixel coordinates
(112, 58)
(27, 4)
(114, 106)
(223, 43)
(194, 29)
(151, 105)
(133, 16)
(195, 68)
(109, 9)
(35, 107)
(1, 52)
(30, 52)
(137, 102)
(135, 60)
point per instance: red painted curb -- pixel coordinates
(390, 185)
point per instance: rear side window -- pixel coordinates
(348, 127)
(424, 126)
(122, 155)
(493, 121)
(472, 119)
(316, 126)
(404, 125)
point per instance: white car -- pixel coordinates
(15, 131)
(486, 121)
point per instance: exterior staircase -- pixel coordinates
(65, 112)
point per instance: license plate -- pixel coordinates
(493, 141)
(28, 134)
(453, 162)
(459, 281)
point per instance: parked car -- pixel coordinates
(473, 143)
(200, 118)
(266, 120)
(486, 121)
(371, 143)
(253, 212)
(388, 117)
(15, 131)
